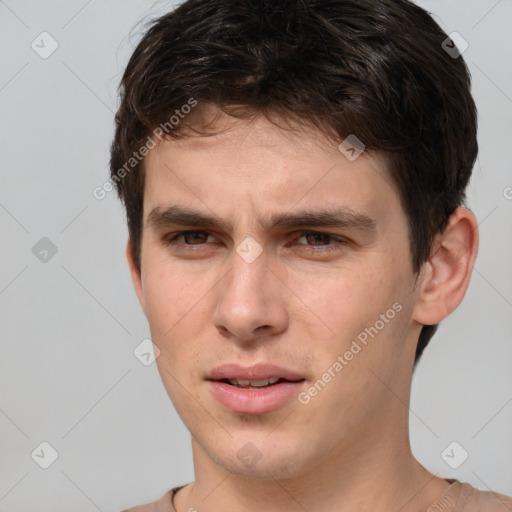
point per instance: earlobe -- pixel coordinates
(445, 277)
(136, 275)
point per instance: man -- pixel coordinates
(293, 175)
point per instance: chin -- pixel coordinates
(269, 463)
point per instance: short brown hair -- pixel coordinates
(373, 68)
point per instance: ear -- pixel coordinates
(444, 278)
(136, 275)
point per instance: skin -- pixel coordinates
(348, 448)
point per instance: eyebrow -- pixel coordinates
(341, 218)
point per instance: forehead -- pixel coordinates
(254, 168)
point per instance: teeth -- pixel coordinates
(252, 383)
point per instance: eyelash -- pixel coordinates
(340, 241)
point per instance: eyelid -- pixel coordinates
(337, 238)
(170, 237)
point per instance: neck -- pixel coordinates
(373, 473)
(372, 470)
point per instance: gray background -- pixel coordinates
(70, 324)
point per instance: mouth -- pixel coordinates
(255, 384)
(255, 390)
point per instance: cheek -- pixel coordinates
(175, 329)
(171, 294)
(344, 300)
(176, 316)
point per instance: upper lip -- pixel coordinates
(255, 372)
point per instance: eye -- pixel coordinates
(315, 242)
(318, 242)
(189, 237)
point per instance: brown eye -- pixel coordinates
(317, 238)
(320, 243)
(194, 237)
(197, 238)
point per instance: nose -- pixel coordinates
(251, 303)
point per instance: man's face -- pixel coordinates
(213, 299)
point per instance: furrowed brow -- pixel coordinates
(348, 219)
(324, 218)
(180, 216)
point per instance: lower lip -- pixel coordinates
(254, 401)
